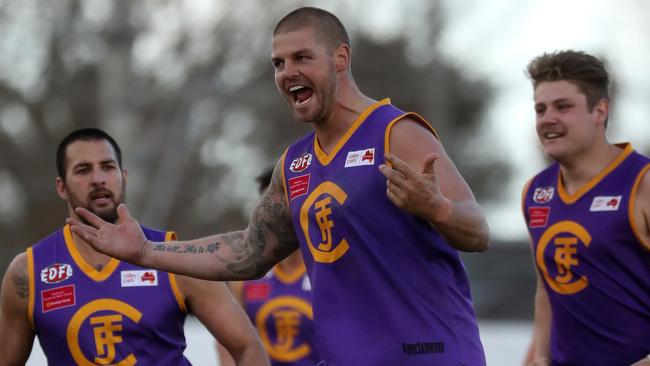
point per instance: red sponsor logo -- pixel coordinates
(56, 272)
(613, 202)
(538, 216)
(301, 163)
(57, 298)
(543, 194)
(148, 276)
(257, 291)
(369, 155)
(298, 186)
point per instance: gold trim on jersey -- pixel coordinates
(631, 206)
(289, 277)
(572, 198)
(32, 287)
(86, 268)
(392, 123)
(325, 158)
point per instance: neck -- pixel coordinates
(88, 253)
(348, 106)
(580, 170)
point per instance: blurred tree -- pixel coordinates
(186, 88)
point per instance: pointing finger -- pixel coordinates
(429, 162)
(399, 165)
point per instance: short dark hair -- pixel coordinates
(587, 72)
(264, 179)
(84, 134)
(327, 26)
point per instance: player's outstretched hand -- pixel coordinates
(122, 240)
(417, 193)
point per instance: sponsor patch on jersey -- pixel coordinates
(538, 216)
(543, 194)
(55, 273)
(605, 203)
(301, 163)
(298, 186)
(57, 298)
(139, 278)
(257, 291)
(360, 157)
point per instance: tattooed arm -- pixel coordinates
(236, 255)
(16, 334)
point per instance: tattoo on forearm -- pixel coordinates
(21, 281)
(188, 248)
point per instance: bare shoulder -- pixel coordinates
(17, 278)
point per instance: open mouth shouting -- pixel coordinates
(300, 94)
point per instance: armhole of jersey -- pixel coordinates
(416, 117)
(178, 295)
(631, 206)
(237, 289)
(284, 182)
(30, 275)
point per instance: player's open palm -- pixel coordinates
(417, 193)
(123, 240)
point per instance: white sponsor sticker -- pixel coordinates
(360, 157)
(605, 203)
(139, 278)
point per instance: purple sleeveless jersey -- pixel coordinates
(279, 305)
(123, 314)
(387, 288)
(595, 270)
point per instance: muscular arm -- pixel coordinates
(239, 255)
(16, 335)
(214, 306)
(642, 210)
(439, 195)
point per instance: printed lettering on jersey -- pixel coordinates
(605, 203)
(55, 273)
(538, 216)
(318, 208)
(106, 318)
(57, 298)
(560, 246)
(257, 291)
(301, 163)
(139, 278)
(360, 157)
(543, 194)
(287, 313)
(298, 186)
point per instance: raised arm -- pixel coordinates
(422, 180)
(238, 255)
(215, 307)
(16, 334)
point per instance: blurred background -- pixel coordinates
(186, 88)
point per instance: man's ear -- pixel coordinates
(602, 108)
(342, 57)
(61, 188)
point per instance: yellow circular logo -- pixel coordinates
(321, 200)
(105, 330)
(563, 237)
(286, 312)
